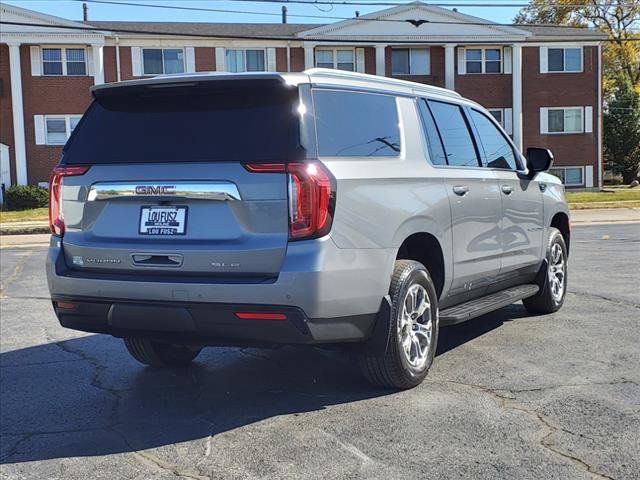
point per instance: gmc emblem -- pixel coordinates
(155, 190)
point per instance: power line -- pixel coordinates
(216, 10)
(414, 22)
(273, 37)
(342, 3)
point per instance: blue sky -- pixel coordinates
(73, 10)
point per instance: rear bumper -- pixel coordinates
(207, 323)
(316, 276)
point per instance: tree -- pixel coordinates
(553, 12)
(619, 19)
(621, 125)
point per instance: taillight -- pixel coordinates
(311, 197)
(56, 220)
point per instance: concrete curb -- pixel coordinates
(8, 229)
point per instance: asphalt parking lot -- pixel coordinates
(510, 395)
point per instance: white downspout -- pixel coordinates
(118, 78)
(19, 148)
(600, 171)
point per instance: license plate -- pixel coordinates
(163, 220)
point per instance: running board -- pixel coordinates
(480, 306)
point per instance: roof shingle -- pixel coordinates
(289, 30)
(208, 29)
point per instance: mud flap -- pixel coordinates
(378, 342)
(541, 276)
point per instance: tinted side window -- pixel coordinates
(432, 136)
(353, 124)
(497, 151)
(456, 137)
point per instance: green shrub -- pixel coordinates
(22, 197)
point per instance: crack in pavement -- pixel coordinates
(622, 381)
(617, 301)
(146, 458)
(158, 464)
(97, 366)
(14, 274)
(549, 428)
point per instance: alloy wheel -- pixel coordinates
(415, 326)
(557, 272)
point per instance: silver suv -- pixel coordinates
(321, 207)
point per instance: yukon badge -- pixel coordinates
(155, 189)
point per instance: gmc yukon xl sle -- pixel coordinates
(317, 208)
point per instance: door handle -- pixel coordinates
(461, 190)
(507, 189)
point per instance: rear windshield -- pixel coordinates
(188, 124)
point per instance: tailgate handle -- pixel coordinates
(154, 260)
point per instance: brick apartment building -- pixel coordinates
(543, 83)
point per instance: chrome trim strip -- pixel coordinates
(195, 190)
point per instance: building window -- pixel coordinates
(483, 60)
(565, 120)
(570, 176)
(58, 128)
(158, 61)
(245, 60)
(339, 59)
(64, 61)
(410, 61)
(564, 59)
(498, 114)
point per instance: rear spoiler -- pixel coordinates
(194, 80)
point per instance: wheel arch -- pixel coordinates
(561, 221)
(426, 248)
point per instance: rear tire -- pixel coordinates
(414, 330)
(159, 354)
(553, 286)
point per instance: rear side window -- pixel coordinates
(353, 124)
(498, 153)
(455, 133)
(432, 136)
(188, 124)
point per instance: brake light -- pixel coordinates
(56, 220)
(311, 193)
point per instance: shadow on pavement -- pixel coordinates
(87, 397)
(456, 335)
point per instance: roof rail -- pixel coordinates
(318, 74)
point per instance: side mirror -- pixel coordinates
(538, 160)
